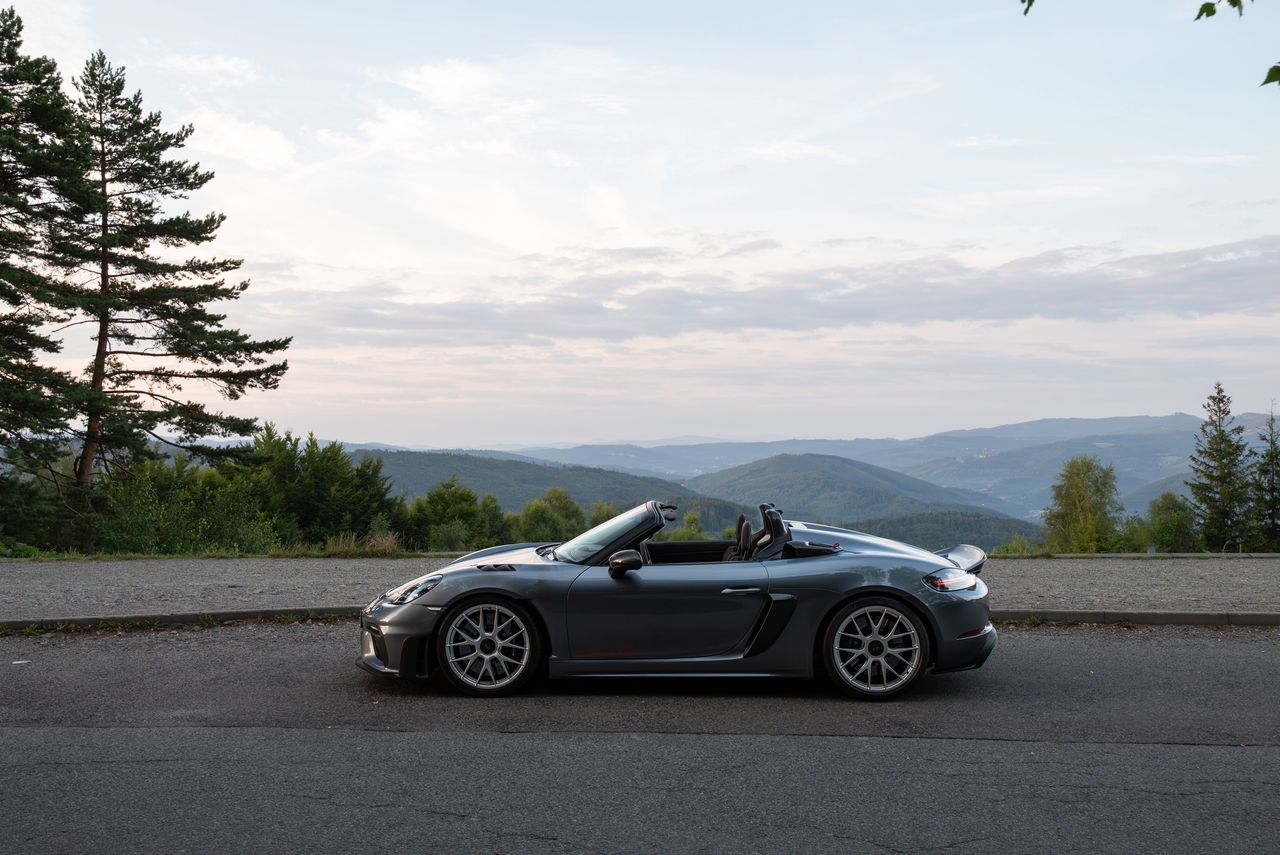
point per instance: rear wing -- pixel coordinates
(968, 558)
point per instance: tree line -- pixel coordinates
(282, 494)
(1234, 504)
(97, 252)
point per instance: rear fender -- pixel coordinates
(921, 611)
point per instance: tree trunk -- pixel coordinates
(93, 426)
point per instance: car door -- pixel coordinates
(666, 611)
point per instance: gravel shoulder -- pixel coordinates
(41, 591)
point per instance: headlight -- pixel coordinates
(951, 579)
(411, 591)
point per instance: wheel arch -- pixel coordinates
(539, 620)
(910, 602)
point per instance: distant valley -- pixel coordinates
(1011, 466)
(982, 485)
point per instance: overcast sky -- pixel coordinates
(490, 223)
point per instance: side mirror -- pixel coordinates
(622, 561)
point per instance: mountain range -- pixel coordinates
(981, 485)
(1011, 466)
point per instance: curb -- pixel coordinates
(182, 618)
(1147, 618)
(1139, 617)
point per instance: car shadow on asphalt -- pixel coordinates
(930, 688)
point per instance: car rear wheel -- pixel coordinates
(875, 648)
(488, 647)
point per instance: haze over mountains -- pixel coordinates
(1012, 466)
(976, 478)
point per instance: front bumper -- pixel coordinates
(390, 648)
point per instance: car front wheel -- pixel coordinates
(875, 648)
(488, 647)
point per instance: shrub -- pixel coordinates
(451, 536)
(1020, 546)
(383, 543)
(344, 545)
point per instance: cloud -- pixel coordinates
(984, 141)
(751, 246)
(1206, 159)
(657, 292)
(217, 70)
(58, 29)
(966, 203)
(459, 87)
(792, 149)
(251, 143)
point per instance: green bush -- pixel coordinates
(691, 529)
(180, 508)
(538, 523)
(451, 536)
(1020, 546)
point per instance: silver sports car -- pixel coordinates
(786, 599)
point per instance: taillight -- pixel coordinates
(950, 579)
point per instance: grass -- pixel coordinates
(1025, 622)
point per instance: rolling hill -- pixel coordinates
(828, 488)
(1136, 501)
(688, 460)
(1007, 468)
(938, 529)
(515, 482)
(1014, 465)
(1024, 476)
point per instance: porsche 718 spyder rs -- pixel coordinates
(786, 600)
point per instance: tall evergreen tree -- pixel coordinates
(40, 162)
(154, 331)
(1266, 489)
(1220, 464)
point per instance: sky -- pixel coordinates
(503, 224)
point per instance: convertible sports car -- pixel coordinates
(781, 601)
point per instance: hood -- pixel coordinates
(513, 553)
(520, 553)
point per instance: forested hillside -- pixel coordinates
(514, 483)
(825, 488)
(938, 529)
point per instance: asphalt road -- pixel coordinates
(266, 738)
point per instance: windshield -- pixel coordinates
(593, 540)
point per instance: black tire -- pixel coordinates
(877, 639)
(473, 666)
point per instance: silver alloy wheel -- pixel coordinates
(877, 649)
(487, 646)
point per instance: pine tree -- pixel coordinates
(153, 327)
(1265, 496)
(38, 166)
(1220, 464)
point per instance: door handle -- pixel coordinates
(740, 591)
